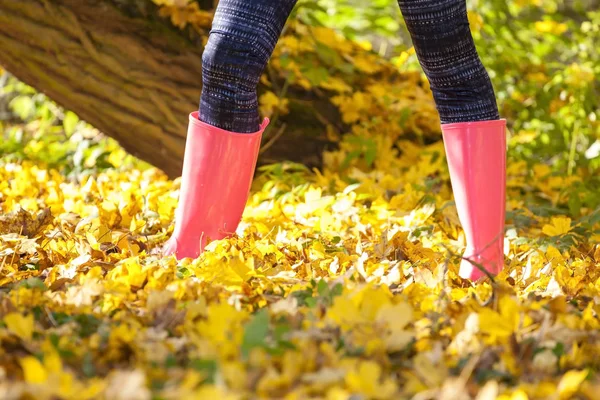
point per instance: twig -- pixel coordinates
(572, 149)
(50, 317)
(273, 139)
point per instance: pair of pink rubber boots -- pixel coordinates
(219, 166)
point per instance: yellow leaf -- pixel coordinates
(331, 39)
(519, 394)
(335, 84)
(270, 102)
(223, 327)
(20, 325)
(579, 75)
(475, 21)
(345, 313)
(503, 323)
(212, 392)
(558, 226)
(312, 194)
(367, 63)
(597, 251)
(550, 27)
(396, 317)
(366, 380)
(33, 370)
(554, 256)
(52, 362)
(400, 60)
(570, 383)
(489, 391)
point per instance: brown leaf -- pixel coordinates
(109, 248)
(24, 223)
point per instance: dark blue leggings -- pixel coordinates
(244, 34)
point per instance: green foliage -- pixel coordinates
(46, 133)
(545, 67)
(541, 54)
(542, 57)
(259, 334)
(357, 19)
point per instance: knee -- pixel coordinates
(231, 60)
(223, 54)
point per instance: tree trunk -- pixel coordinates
(133, 75)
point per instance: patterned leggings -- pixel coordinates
(244, 34)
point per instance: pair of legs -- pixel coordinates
(244, 34)
(224, 136)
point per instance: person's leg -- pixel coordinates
(474, 134)
(223, 138)
(241, 41)
(444, 46)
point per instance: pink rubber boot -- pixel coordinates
(476, 154)
(218, 168)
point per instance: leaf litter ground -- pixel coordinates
(340, 284)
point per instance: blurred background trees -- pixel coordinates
(542, 55)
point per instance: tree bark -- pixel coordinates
(133, 75)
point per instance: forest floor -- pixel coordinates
(340, 285)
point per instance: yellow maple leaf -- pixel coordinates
(558, 226)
